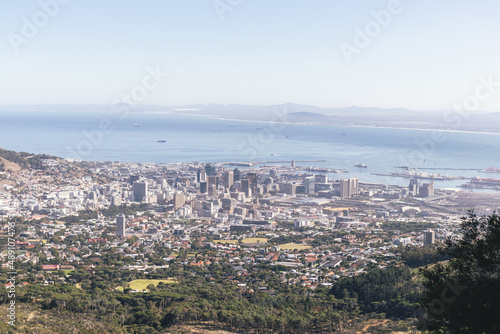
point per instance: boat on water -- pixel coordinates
(162, 141)
(259, 128)
(137, 125)
(216, 130)
(233, 125)
(361, 165)
(490, 170)
(344, 134)
(287, 135)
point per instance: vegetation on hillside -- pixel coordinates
(24, 160)
(462, 295)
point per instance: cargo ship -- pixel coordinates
(490, 170)
(482, 183)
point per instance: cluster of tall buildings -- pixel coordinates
(417, 190)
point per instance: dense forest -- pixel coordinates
(194, 299)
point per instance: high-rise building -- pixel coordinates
(116, 200)
(321, 178)
(236, 174)
(212, 180)
(179, 200)
(120, 225)
(252, 181)
(210, 169)
(228, 179)
(414, 186)
(203, 187)
(426, 190)
(201, 175)
(288, 188)
(133, 178)
(212, 190)
(348, 187)
(163, 184)
(140, 191)
(429, 237)
(309, 185)
(245, 187)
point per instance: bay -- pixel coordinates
(134, 138)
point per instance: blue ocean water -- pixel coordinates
(113, 137)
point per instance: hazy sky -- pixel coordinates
(427, 55)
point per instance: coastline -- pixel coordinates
(332, 125)
(179, 112)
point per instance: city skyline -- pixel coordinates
(386, 54)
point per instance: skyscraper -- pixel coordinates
(179, 200)
(133, 178)
(429, 237)
(120, 225)
(252, 181)
(236, 174)
(348, 187)
(228, 179)
(309, 185)
(414, 187)
(116, 200)
(140, 191)
(245, 187)
(212, 190)
(210, 169)
(426, 190)
(212, 181)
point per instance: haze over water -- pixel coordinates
(192, 138)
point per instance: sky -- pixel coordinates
(415, 54)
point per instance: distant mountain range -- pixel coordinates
(297, 113)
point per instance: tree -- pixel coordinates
(462, 295)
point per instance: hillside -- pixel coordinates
(32, 319)
(11, 161)
(14, 161)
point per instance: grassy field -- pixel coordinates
(245, 241)
(254, 240)
(226, 242)
(293, 246)
(44, 241)
(141, 284)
